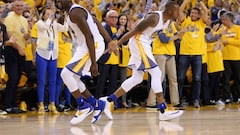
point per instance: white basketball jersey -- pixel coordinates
(146, 35)
(92, 25)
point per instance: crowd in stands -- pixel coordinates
(201, 50)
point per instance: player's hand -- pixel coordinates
(94, 69)
(112, 47)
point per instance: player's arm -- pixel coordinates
(102, 31)
(111, 44)
(150, 21)
(78, 16)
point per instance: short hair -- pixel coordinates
(229, 15)
(197, 9)
(110, 12)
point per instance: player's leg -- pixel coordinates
(157, 88)
(84, 108)
(127, 85)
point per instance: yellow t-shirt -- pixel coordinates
(97, 11)
(125, 56)
(193, 39)
(18, 26)
(214, 59)
(29, 53)
(34, 31)
(64, 50)
(204, 53)
(231, 51)
(169, 48)
(113, 59)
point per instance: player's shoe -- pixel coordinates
(98, 110)
(82, 113)
(108, 108)
(168, 115)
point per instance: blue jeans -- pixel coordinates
(196, 63)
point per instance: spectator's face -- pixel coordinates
(18, 7)
(218, 3)
(225, 21)
(47, 13)
(112, 19)
(194, 15)
(123, 20)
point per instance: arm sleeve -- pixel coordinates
(163, 37)
(210, 38)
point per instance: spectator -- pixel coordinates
(214, 62)
(3, 41)
(17, 26)
(215, 9)
(191, 48)
(231, 57)
(46, 56)
(124, 54)
(108, 63)
(164, 52)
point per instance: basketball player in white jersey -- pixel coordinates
(142, 59)
(90, 38)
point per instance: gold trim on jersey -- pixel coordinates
(142, 52)
(81, 62)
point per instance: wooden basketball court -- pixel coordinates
(211, 120)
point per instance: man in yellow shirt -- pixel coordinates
(231, 54)
(17, 26)
(191, 48)
(164, 52)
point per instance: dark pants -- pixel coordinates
(204, 84)
(107, 72)
(196, 63)
(231, 70)
(14, 65)
(214, 85)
